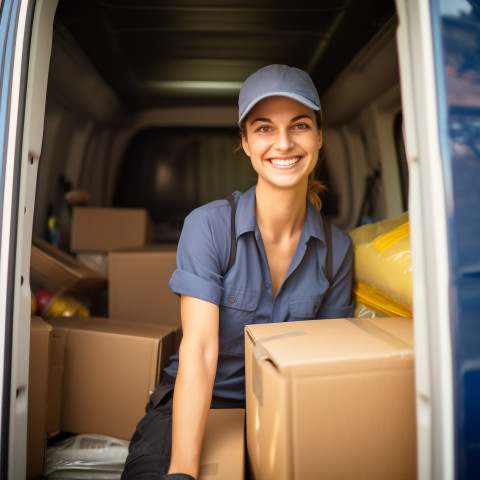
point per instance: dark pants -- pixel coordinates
(151, 444)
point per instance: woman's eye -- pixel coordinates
(263, 129)
(301, 126)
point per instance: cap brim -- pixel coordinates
(293, 96)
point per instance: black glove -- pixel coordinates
(177, 476)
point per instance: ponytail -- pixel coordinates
(314, 190)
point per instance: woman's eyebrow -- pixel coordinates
(261, 119)
(299, 117)
(268, 120)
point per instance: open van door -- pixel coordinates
(25, 41)
(439, 51)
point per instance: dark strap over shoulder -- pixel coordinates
(233, 242)
(327, 226)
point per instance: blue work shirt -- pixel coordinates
(244, 293)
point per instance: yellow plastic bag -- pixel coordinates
(383, 266)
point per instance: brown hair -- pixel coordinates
(315, 186)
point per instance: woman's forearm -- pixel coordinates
(191, 405)
(194, 385)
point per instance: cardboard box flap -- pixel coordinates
(55, 269)
(108, 325)
(331, 346)
(38, 325)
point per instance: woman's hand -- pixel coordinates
(193, 387)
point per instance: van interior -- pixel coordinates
(141, 104)
(133, 104)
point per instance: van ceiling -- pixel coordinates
(158, 53)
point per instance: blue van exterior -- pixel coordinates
(456, 30)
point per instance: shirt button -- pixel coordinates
(231, 299)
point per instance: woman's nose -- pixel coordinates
(284, 140)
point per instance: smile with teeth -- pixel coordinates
(285, 162)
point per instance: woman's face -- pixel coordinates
(282, 139)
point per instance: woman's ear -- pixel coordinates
(320, 138)
(245, 145)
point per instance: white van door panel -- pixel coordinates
(434, 387)
(27, 44)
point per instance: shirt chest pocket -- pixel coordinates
(305, 307)
(237, 309)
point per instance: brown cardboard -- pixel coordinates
(55, 382)
(40, 333)
(102, 229)
(223, 451)
(331, 399)
(110, 369)
(138, 285)
(96, 261)
(55, 270)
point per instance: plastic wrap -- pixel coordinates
(383, 266)
(86, 456)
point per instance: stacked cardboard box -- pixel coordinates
(138, 285)
(95, 231)
(331, 399)
(102, 370)
(101, 229)
(110, 369)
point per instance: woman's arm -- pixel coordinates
(194, 384)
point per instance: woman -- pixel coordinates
(279, 271)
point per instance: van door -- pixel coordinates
(25, 45)
(439, 50)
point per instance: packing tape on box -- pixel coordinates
(281, 336)
(259, 356)
(371, 328)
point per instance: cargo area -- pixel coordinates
(140, 127)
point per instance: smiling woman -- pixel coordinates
(279, 273)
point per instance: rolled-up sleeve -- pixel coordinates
(200, 257)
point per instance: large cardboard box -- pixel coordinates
(331, 399)
(110, 369)
(101, 229)
(56, 270)
(223, 451)
(138, 285)
(40, 333)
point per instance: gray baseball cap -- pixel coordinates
(277, 80)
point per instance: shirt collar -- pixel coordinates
(313, 224)
(246, 220)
